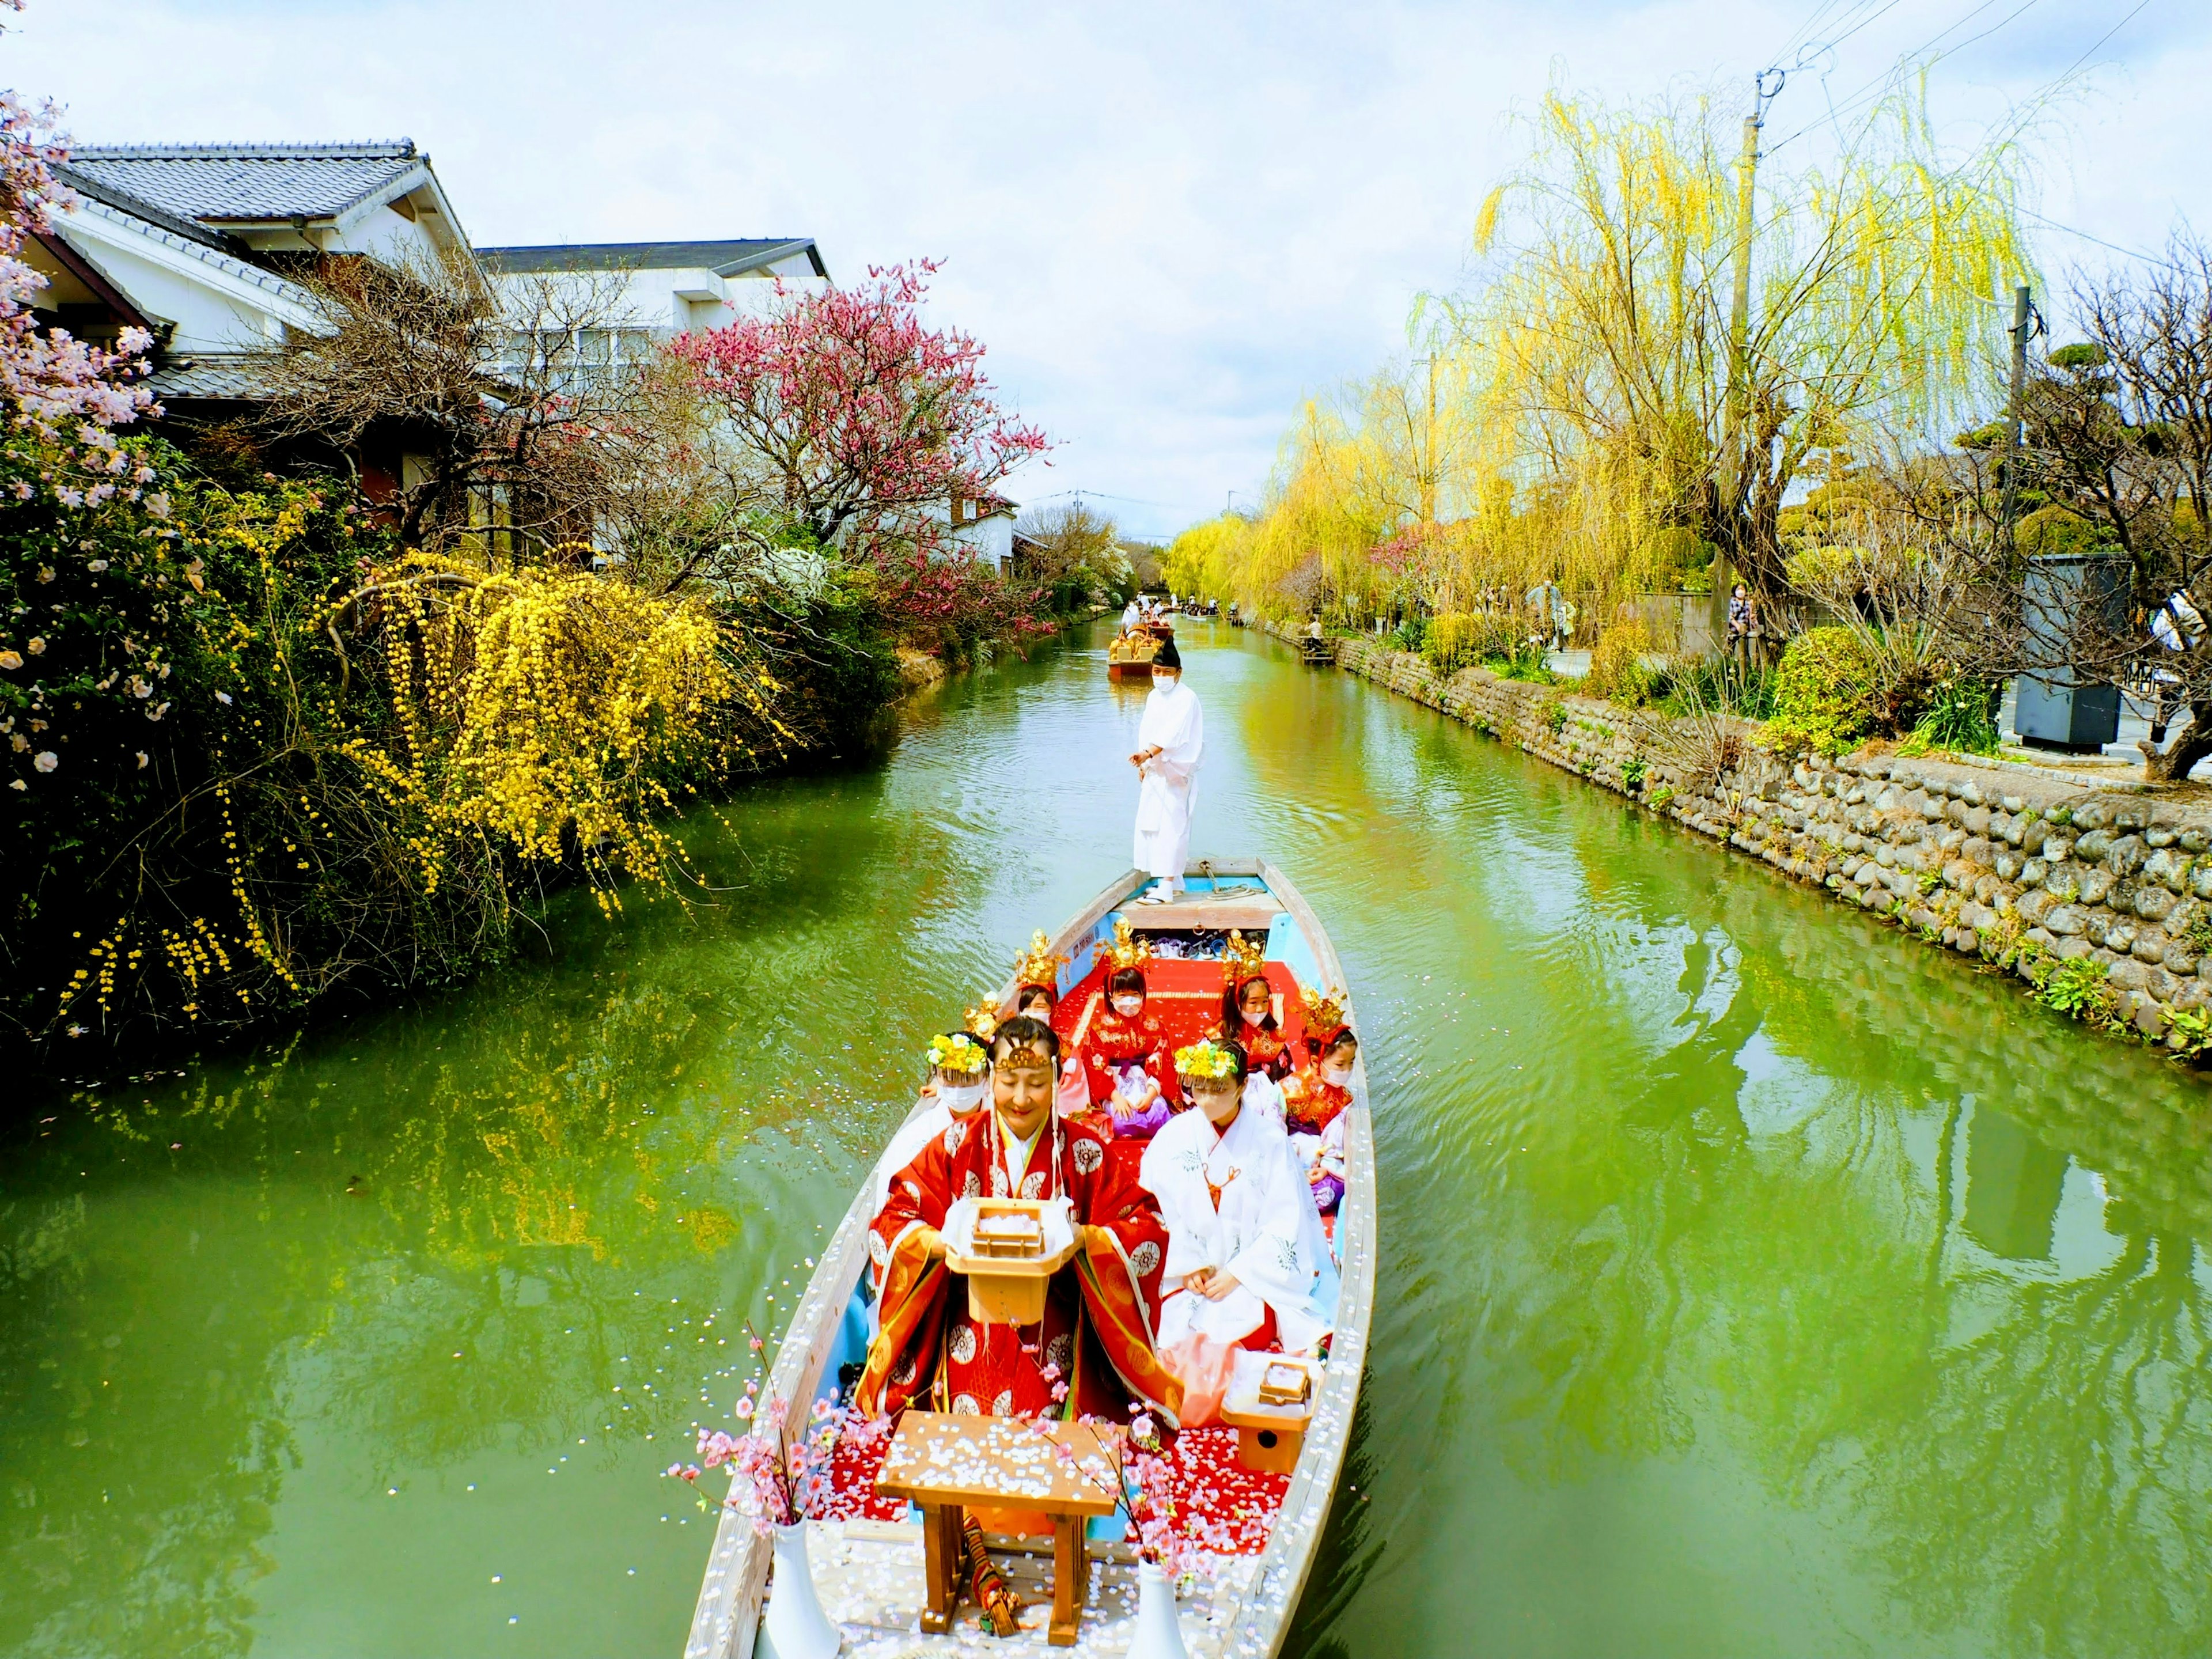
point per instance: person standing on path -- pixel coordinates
(1170, 740)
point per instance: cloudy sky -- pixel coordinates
(1169, 222)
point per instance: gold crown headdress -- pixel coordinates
(1038, 965)
(1243, 958)
(983, 1020)
(1127, 951)
(1325, 1010)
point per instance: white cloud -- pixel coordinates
(1168, 223)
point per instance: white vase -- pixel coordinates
(795, 1626)
(1159, 1634)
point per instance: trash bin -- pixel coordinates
(2076, 605)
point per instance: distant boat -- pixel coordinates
(1130, 655)
(869, 1573)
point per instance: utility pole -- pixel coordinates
(1735, 429)
(2021, 310)
(1739, 397)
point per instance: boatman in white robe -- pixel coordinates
(1170, 739)
(1242, 1265)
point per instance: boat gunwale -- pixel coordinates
(725, 1620)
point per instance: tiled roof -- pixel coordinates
(235, 183)
(204, 375)
(729, 258)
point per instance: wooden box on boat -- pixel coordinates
(1005, 1289)
(1271, 1430)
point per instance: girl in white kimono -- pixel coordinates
(1170, 740)
(955, 1088)
(1248, 1265)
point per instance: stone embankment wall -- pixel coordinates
(2000, 862)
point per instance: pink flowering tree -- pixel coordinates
(866, 421)
(51, 381)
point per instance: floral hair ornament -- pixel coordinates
(957, 1052)
(1206, 1061)
(1038, 965)
(1325, 1010)
(1127, 951)
(1243, 958)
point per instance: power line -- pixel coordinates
(1836, 111)
(2132, 252)
(2105, 36)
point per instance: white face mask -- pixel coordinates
(1338, 1075)
(1252, 1018)
(963, 1100)
(1161, 682)
(1129, 1007)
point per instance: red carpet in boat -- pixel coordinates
(1209, 1488)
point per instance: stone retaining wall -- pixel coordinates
(2016, 867)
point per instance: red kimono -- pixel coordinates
(1099, 1312)
(1310, 1103)
(1267, 1050)
(1111, 1041)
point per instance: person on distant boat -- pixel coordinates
(1242, 1266)
(1170, 742)
(1093, 1351)
(952, 1092)
(1133, 615)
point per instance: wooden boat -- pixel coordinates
(1129, 656)
(869, 1574)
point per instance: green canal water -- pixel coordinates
(1754, 1282)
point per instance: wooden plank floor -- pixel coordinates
(868, 1574)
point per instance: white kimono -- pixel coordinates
(1263, 1231)
(1167, 789)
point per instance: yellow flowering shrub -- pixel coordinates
(537, 713)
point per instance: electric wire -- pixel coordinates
(2117, 247)
(2100, 40)
(1837, 111)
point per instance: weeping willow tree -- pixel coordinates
(1581, 416)
(1599, 348)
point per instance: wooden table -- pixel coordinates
(945, 1462)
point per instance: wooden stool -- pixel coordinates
(945, 1462)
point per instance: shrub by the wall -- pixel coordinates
(1824, 693)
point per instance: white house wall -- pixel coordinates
(675, 300)
(206, 318)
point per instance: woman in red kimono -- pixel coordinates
(1127, 1032)
(1092, 1352)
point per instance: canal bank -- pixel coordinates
(1742, 1293)
(2019, 867)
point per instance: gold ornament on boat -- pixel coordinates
(1039, 965)
(1325, 1010)
(1127, 951)
(1243, 958)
